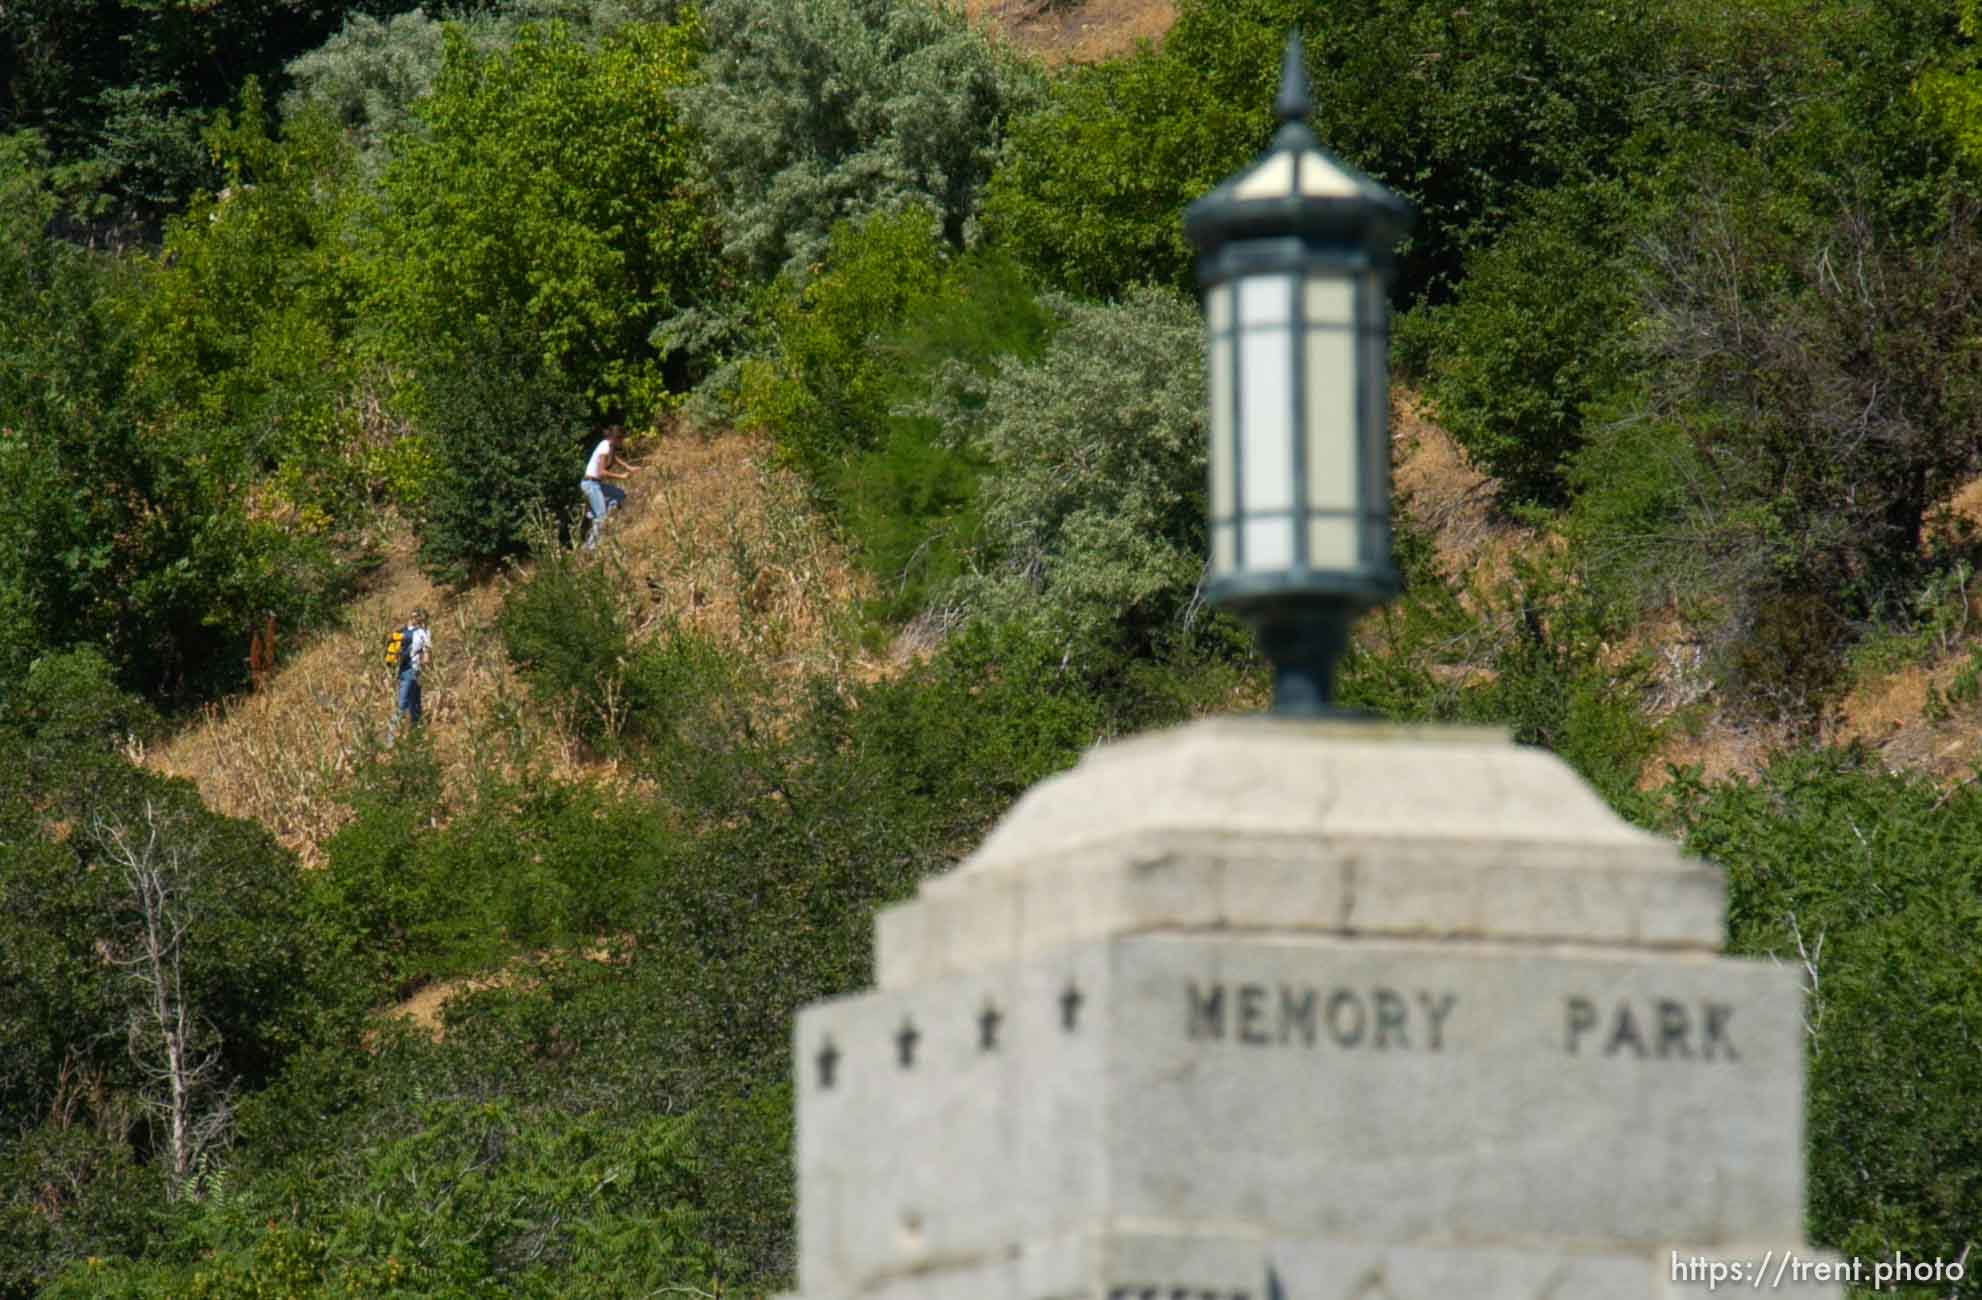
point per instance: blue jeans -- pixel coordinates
(409, 697)
(601, 498)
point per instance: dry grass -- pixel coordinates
(1890, 715)
(1451, 499)
(1076, 31)
(729, 546)
(716, 540)
(710, 537)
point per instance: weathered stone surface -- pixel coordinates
(1394, 1013)
(1309, 1089)
(1152, 1264)
(1342, 828)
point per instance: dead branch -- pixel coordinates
(174, 1048)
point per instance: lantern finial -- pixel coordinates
(1294, 102)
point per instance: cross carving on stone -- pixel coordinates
(1070, 1007)
(987, 1028)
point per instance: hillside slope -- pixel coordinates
(712, 537)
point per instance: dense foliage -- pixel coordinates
(819, 111)
(866, 357)
(549, 191)
(1868, 881)
(122, 90)
(1694, 281)
(1093, 506)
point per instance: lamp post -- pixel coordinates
(1294, 266)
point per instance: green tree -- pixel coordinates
(123, 88)
(1865, 881)
(1951, 90)
(146, 401)
(508, 445)
(1535, 336)
(377, 66)
(826, 389)
(1091, 190)
(1463, 110)
(855, 350)
(155, 964)
(549, 193)
(1093, 502)
(822, 111)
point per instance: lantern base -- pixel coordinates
(1304, 640)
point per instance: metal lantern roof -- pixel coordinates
(1297, 188)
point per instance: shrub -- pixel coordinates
(1866, 881)
(823, 111)
(1534, 336)
(534, 1205)
(368, 76)
(1951, 91)
(1093, 502)
(550, 188)
(1828, 401)
(563, 627)
(855, 355)
(826, 389)
(368, 896)
(566, 628)
(508, 450)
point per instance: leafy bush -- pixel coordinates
(1090, 192)
(1093, 502)
(371, 73)
(563, 627)
(826, 387)
(508, 445)
(533, 1205)
(551, 188)
(525, 864)
(137, 413)
(855, 352)
(823, 111)
(122, 92)
(1534, 336)
(242, 326)
(1951, 90)
(1866, 880)
(566, 628)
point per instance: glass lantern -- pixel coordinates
(1294, 264)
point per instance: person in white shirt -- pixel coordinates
(600, 496)
(413, 658)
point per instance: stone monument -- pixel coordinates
(1304, 1005)
(1381, 1012)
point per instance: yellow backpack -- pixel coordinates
(399, 648)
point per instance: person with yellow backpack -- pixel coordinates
(406, 651)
